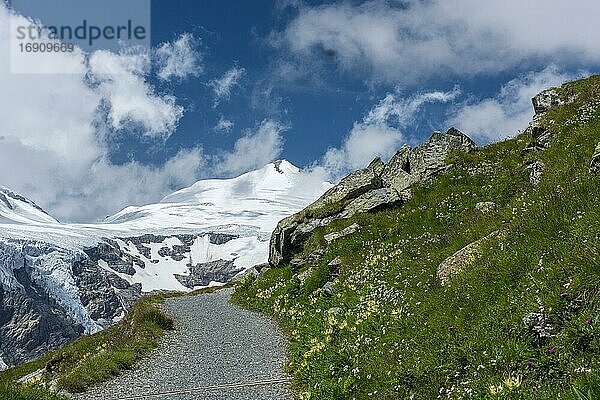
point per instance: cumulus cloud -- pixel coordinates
(222, 86)
(224, 125)
(255, 149)
(179, 59)
(121, 81)
(379, 134)
(509, 112)
(417, 40)
(54, 145)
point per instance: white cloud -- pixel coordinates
(122, 84)
(510, 111)
(224, 125)
(179, 59)
(254, 150)
(418, 40)
(222, 86)
(379, 134)
(363, 144)
(52, 144)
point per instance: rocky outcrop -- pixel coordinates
(376, 187)
(31, 323)
(546, 99)
(542, 135)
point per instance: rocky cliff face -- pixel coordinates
(376, 187)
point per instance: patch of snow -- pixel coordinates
(211, 284)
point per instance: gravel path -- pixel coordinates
(215, 343)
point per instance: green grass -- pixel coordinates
(391, 331)
(94, 359)
(12, 392)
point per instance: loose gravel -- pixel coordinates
(214, 343)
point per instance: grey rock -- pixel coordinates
(296, 263)
(110, 252)
(373, 200)
(328, 289)
(344, 232)
(485, 207)
(335, 267)
(315, 256)
(460, 260)
(429, 158)
(542, 136)
(335, 263)
(353, 185)
(536, 171)
(540, 325)
(595, 163)
(546, 99)
(203, 274)
(31, 324)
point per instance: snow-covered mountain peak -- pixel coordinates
(258, 198)
(16, 209)
(277, 177)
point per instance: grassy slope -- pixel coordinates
(399, 334)
(96, 358)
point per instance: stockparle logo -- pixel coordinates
(42, 31)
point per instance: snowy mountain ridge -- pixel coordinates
(92, 273)
(18, 209)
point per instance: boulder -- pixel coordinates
(485, 207)
(335, 266)
(539, 131)
(536, 170)
(429, 158)
(372, 201)
(328, 289)
(595, 163)
(540, 325)
(458, 261)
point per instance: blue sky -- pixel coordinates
(229, 86)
